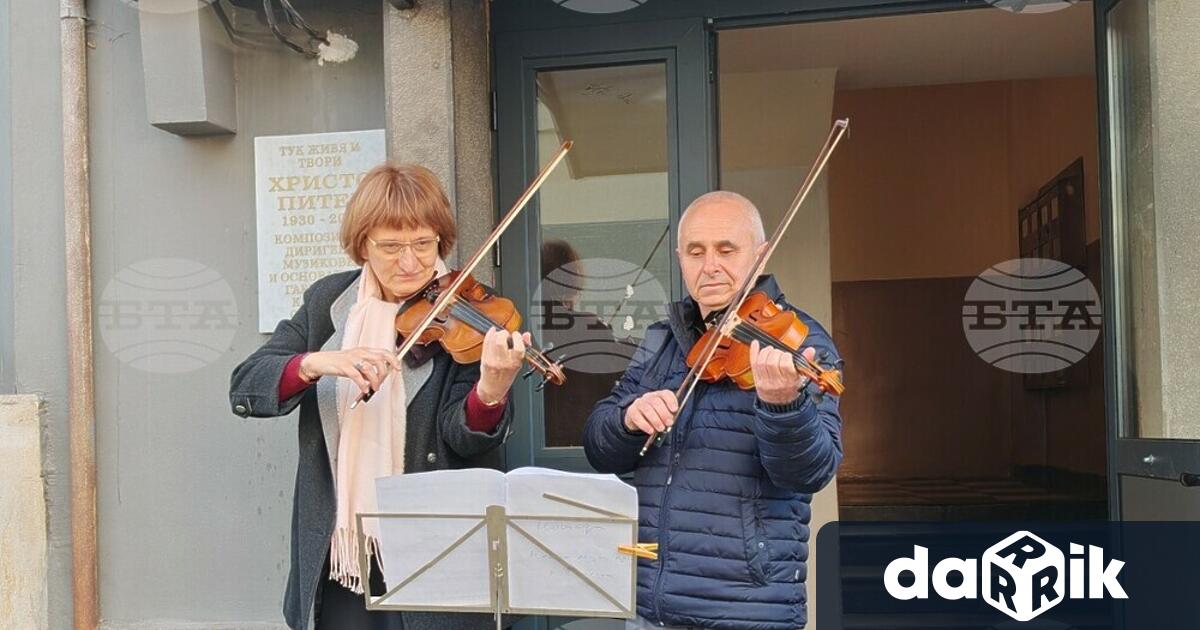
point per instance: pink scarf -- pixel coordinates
(371, 438)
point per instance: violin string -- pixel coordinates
(479, 320)
(471, 316)
(750, 332)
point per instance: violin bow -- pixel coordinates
(450, 292)
(638, 277)
(729, 319)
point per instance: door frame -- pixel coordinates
(1160, 459)
(539, 15)
(684, 46)
(533, 35)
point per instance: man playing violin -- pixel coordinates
(727, 493)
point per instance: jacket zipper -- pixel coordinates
(663, 528)
(760, 541)
(677, 435)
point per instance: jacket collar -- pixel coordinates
(684, 315)
(340, 310)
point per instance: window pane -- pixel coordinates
(604, 220)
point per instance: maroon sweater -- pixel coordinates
(480, 417)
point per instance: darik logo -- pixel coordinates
(1023, 576)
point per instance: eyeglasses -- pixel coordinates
(419, 247)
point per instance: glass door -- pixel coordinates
(1150, 134)
(590, 262)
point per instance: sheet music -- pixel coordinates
(406, 544)
(546, 554)
(526, 487)
(539, 581)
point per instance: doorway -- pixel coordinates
(959, 122)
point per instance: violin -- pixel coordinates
(454, 301)
(467, 317)
(759, 319)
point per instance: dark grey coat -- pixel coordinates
(437, 436)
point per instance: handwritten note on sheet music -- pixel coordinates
(546, 557)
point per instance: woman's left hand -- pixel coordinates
(503, 356)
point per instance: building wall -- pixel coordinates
(194, 502)
(1176, 130)
(32, 170)
(7, 376)
(436, 78)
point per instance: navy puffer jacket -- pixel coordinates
(727, 496)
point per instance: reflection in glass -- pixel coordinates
(604, 220)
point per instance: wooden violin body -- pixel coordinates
(460, 327)
(760, 319)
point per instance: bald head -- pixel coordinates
(723, 200)
(720, 237)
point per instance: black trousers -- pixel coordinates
(339, 608)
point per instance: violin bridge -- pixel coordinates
(730, 324)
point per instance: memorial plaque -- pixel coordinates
(302, 184)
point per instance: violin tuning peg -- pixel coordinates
(528, 373)
(540, 386)
(823, 356)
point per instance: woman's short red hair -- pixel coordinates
(397, 196)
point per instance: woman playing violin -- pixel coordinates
(427, 412)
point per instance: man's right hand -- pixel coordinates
(653, 412)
